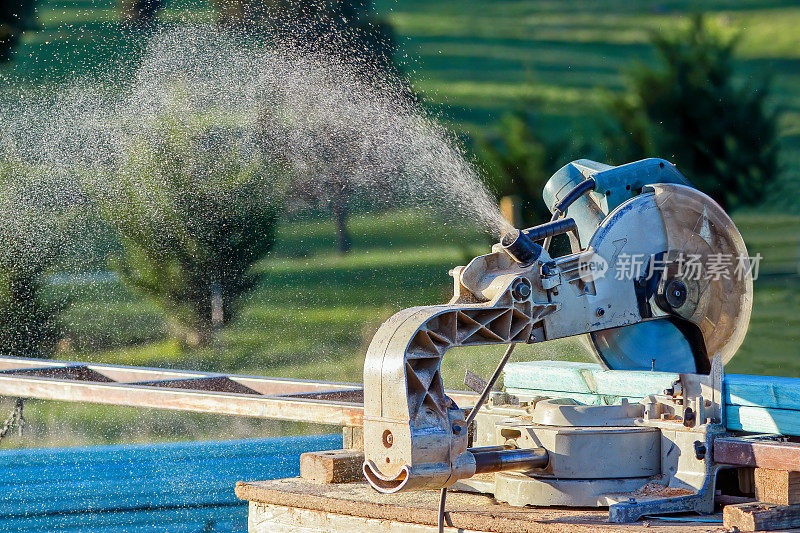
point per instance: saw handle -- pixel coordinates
(551, 229)
(576, 192)
(561, 207)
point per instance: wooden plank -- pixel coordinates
(761, 516)
(397, 512)
(295, 409)
(777, 486)
(565, 376)
(758, 404)
(762, 391)
(584, 398)
(122, 373)
(332, 466)
(590, 378)
(762, 420)
(738, 418)
(264, 518)
(353, 438)
(761, 453)
(586, 378)
(210, 383)
(76, 371)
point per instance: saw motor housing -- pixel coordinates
(416, 437)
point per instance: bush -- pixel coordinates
(192, 214)
(38, 210)
(691, 110)
(519, 161)
(16, 16)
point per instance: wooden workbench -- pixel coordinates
(289, 505)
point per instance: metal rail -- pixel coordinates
(299, 400)
(322, 402)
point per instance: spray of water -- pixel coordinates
(333, 127)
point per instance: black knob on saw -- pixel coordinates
(520, 247)
(672, 295)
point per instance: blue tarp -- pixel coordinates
(185, 487)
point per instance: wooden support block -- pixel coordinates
(353, 438)
(332, 466)
(777, 486)
(759, 516)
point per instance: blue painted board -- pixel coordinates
(758, 404)
(582, 397)
(586, 378)
(762, 420)
(591, 378)
(763, 391)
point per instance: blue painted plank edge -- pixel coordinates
(762, 420)
(591, 378)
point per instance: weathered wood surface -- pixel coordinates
(345, 505)
(332, 466)
(759, 516)
(777, 486)
(757, 453)
(265, 518)
(758, 404)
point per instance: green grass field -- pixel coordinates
(315, 311)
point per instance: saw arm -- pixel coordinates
(415, 436)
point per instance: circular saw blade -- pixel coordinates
(654, 345)
(708, 255)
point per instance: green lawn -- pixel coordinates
(315, 311)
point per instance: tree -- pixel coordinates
(141, 12)
(519, 161)
(691, 109)
(38, 209)
(325, 165)
(348, 31)
(16, 16)
(347, 28)
(193, 214)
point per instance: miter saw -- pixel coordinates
(627, 290)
